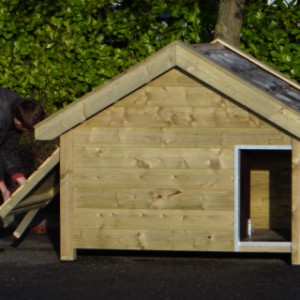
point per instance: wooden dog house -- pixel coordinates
(195, 148)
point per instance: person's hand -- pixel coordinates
(21, 180)
(6, 195)
(4, 191)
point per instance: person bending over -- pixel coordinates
(16, 116)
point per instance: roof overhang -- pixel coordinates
(183, 56)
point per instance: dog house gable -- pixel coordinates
(153, 165)
(214, 64)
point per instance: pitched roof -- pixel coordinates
(228, 70)
(253, 71)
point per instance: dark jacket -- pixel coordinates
(10, 161)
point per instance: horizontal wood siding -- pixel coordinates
(153, 219)
(152, 229)
(156, 169)
(164, 178)
(174, 96)
(152, 158)
(180, 117)
(147, 198)
(153, 239)
(188, 137)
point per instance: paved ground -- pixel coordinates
(32, 270)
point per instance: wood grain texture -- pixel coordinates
(186, 137)
(174, 78)
(134, 198)
(153, 219)
(234, 87)
(153, 158)
(206, 117)
(153, 178)
(110, 92)
(67, 250)
(157, 169)
(34, 185)
(296, 203)
(171, 96)
(177, 240)
(260, 198)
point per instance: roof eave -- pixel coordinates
(259, 63)
(177, 54)
(239, 90)
(107, 94)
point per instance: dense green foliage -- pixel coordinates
(271, 33)
(58, 50)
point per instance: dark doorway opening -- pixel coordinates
(265, 195)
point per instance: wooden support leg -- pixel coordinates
(24, 223)
(296, 203)
(67, 251)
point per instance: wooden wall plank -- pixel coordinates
(153, 158)
(178, 137)
(205, 117)
(153, 219)
(126, 198)
(179, 96)
(154, 240)
(152, 178)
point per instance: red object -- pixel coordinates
(15, 176)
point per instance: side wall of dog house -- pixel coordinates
(156, 170)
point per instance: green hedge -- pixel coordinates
(271, 33)
(56, 51)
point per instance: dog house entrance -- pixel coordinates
(264, 200)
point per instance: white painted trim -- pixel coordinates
(265, 244)
(237, 159)
(262, 147)
(237, 175)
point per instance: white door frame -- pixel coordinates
(237, 200)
